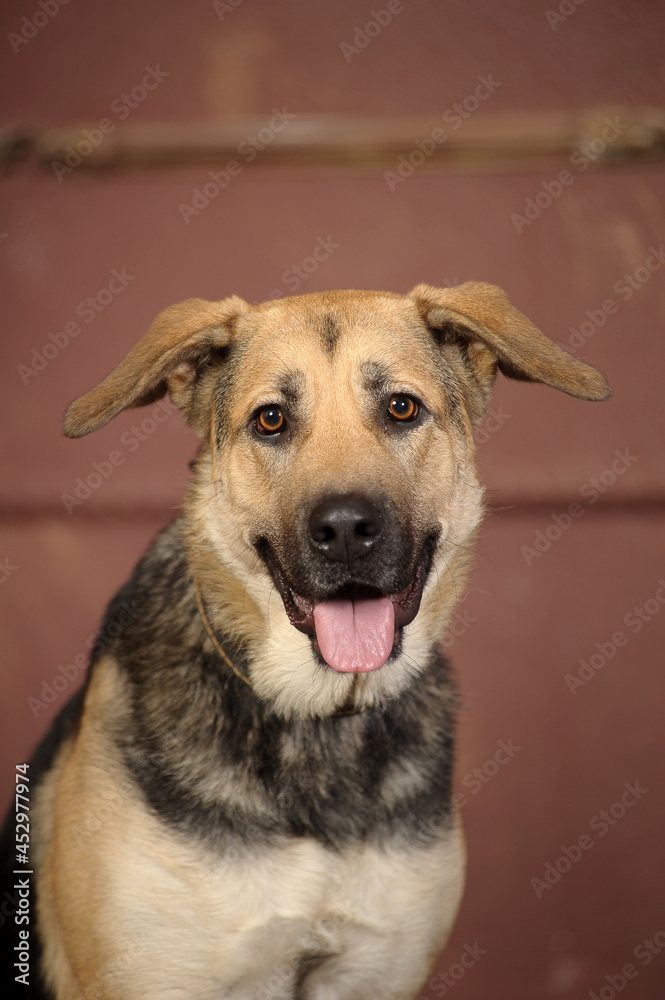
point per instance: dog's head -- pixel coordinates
(337, 464)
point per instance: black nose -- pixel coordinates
(345, 528)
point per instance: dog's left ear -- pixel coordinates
(182, 340)
(481, 315)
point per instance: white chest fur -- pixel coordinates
(256, 925)
(159, 917)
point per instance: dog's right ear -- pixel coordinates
(178, 345)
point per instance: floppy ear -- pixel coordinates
(181, 340)
(478, 315)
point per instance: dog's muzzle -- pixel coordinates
(351, 608)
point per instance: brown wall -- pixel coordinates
(528, 620)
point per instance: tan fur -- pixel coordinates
(178, 335)
(118, 899)
(521, 349)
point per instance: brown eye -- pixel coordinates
(270, 420)
(403, 408)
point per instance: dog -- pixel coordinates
(251, 796)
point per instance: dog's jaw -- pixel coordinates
(354, 630)
(287, 672)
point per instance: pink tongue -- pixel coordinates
(355, 636)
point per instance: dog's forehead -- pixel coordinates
(345, 329)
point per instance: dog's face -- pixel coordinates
(343, 457)
(336, 483)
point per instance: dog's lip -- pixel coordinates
(300, 609)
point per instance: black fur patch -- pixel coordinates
(329, 334)
(290, 388)
(377, 380)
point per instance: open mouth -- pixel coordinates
(357, 628)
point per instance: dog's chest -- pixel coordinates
(293, 913)
(170, 916)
